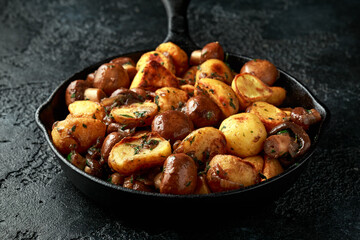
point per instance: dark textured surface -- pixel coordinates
(44, 42)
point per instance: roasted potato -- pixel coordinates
(220, 93)
(202, 145)
(263, 69)
(244, 133)
(111, 76)
(136, 114)
(77, 134)
(136, 153)
(190, 75)
(277, 97)
(257, 161)
(272, 167)
(152, 75)
(86, 108)
(189, 89)
(249, 89)
(170, 98)
(228, 172)
(178, 56)
(215, 69)
(172, 125)
(159, 58)
(179, 175)
(268, 114)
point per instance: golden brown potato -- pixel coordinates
(203, 144)
(86, 108)
(263, 69)
(257, 161)
(77, 134)
(189, 89)
(136, 114)
(249, 88)
(228, 172)
(172, 125)
(268, 114)
(179, 175)
(170, 98)
(202, 111)
(272, 167)
(152, 75)
(111, 76)
(189, 76)
(220, 93)
(136, 153)
(277, 97)
(215, 69)
(158, 57)
(245, 134)
(75, 91)
(179, 56)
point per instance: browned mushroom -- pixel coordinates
(305, 118)
(293, 149)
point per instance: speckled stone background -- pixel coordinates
(44, 42)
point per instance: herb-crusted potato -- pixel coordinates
(245, 134)
(190, 75)
(249, 88)
(86, 108)
(152, 75)
(214, 69)
(179, 56)
(203, 144)
(158, 57)
(169, 98)
(136, 114)
(220, 93)
(268, 114)
(136, 153)
(77, 134)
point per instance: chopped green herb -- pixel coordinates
(270, 118)
(192, 140)
(73, 128)
(126, 115)
(73, 95)
(84, 125)
(140, 114)
(232, 104)
(283, 131)
(188, 184)
(262, 176)
(69, 156)
(209, 115)
(212, 91)
(223, 127)
(93, 116)
(156, 100)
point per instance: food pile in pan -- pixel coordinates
(178, 125)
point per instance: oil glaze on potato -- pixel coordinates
(203, 144)
(77, 134)
(136, 153)
(86, 108)
(272, 167)
(170, 98)
(228, 172)
(179, 56)
(159, 58)
(214, 69)
(179, 175)
(220, 93)
(278, 95)
(245, 134)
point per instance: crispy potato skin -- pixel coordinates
(170, 98)
(228, 172)
(179, 175)
(203, 144)
(277, 97)
(249, 89)
(135, 114)
(257, 161)
(268, 114)
(263, 69)
(159, 58)
(132, 154)
(77, 134)
(86, 108)
(111, 76)
(190, 75)
(220, 93)
(215, 69)
(179, 56)
(272, 167)
(152, 75)
(245, 134)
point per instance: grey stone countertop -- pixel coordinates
(42, 43)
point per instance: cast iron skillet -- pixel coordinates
(297, 95)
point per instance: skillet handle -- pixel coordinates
(178, 31)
